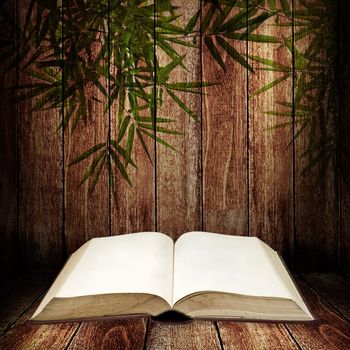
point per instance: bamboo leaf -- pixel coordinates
(181, 42)
(285, 7)
(130, 142)
(143, 143)
(111, 176)
(221, 18)
(214, 52)
(87, 154)
(192, 22)
(90, 170)
(270, 63)
(120, 166)
(122, 152)
(158, 120)
(123, 128)
(158, 139)
(163, 72)
(160, 129)
(255, 22)
(97, 174)
(43, 32)
(207, 18)
(238, 21)
(259, 38)
(182, 105)
(233, 53)
(271, 85)
(272, 4)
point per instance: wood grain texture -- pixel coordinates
(110, 335)
(224, 143)
(23, 292)
(8, 156)
(187, 9)
(40, 179)
(334, 288)
(317, 235)
(191, 336)
(328, 333)
(344, 137)
(25, 336)
(133, 207)
(179, 173)
(255, 336)
(214, 155)
(86, 214)
(270, 153)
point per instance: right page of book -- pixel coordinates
(233, 264)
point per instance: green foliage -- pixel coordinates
(314, 109)
(113, 47)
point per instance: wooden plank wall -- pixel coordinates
(40, 181)
(270, 157)
(133, 208)
(8, 154)
(86, 215)
(224, 140)
(344, 136)
(326, 294)
(316, 193)
(178, 174)
(230, 174)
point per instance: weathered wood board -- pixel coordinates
(233, 172)
(270, 146)
(179, 178)
(40, 186)
(224, 139)
(8, 145)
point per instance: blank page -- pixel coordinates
(133, 263)
(234, 264)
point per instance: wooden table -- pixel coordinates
(327, 294)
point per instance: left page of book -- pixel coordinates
(132, 263)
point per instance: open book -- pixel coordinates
(202, 275)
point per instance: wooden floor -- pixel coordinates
(327, 294)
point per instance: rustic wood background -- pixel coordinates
(229, 175)
(326, 294)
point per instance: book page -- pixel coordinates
(233, 264)
(132, 263)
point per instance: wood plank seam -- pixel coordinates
(338, 145)
(155, 158)
(18, 237)
(248, 126)
(326, 300)
(330, 331)
(109, 131)
(294, 233)
(63, 173)
(146, 334)
(73, 336)
(292, 336)
(219, 335)
(201, 115)
(14, 323)
(344, 49)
